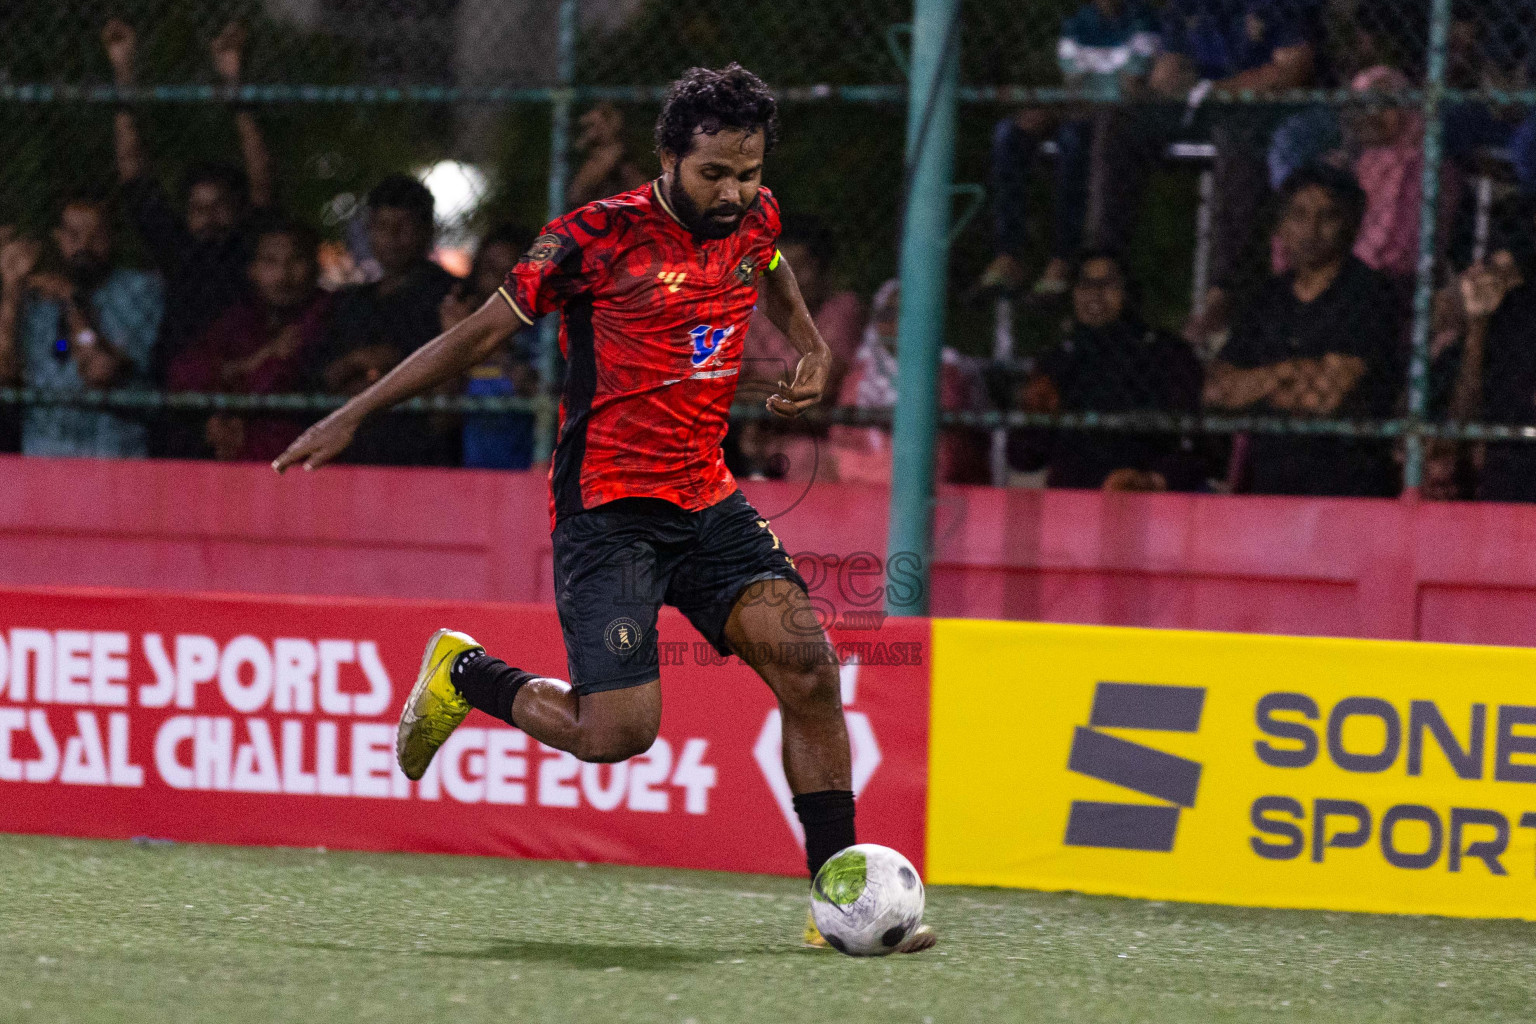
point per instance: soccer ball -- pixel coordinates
(866, 899)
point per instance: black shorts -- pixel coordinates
(616, 564)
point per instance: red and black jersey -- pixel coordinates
(652, 324)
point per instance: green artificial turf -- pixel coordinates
(100, 931)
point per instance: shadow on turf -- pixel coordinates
(586, 956)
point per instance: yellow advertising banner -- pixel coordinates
(1225, 768)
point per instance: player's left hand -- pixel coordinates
(790, 400)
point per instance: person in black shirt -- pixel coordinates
(1496, 379)
(1321, 340)
(378, 324)
(1109, 361)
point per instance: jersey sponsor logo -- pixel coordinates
(673, 279)
(707, 341)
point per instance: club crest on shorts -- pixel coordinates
(623, 635)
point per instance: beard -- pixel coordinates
(703, 223)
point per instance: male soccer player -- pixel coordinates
(655, 288)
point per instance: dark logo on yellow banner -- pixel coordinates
(1142, 769)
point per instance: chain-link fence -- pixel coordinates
(1187, 247)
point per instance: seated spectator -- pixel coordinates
(785, 449)
(378, 324)
(496, 440)
(1384, 143)
(1106, 50)
(79, 323)
(862, 455)
(201, 247)
(1319, 341)
(1110, 361)
(607, 168)
(1236, 45)
(262, 345)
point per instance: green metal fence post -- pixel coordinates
(559, 177)
(1429, 210)
(930, 165)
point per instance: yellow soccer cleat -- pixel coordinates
(922, 937)
(812, 936)
(435, 707)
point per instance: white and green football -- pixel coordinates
(866, 899)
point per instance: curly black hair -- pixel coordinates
(714, 101)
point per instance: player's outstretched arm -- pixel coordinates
(470, 341)
(786, 309)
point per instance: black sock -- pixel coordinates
(828, 820)
(488, 683)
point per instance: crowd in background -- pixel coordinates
(1314, 245)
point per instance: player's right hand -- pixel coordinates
(320, 443)
(791, 399)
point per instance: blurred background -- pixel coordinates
(1187, 249)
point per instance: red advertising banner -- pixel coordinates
(271, 721)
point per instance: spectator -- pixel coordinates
(262, 345)
(1236, 45)
(1496, 379)
(378, 324)
(1391, 171)
(10, 415)
(787, 449)
(863, 454)
(607, 167)
(1106, 50)
(1110, 361)
(496, 440)
(1319, 341)
(78, 324)
(1384, 142)
(202, 248)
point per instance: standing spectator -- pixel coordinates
(1106, 50)
(1496, 380)
(10, 415)
(496, 440)
(79, 324)
(262, 345)
(1319, 341)
(1261, 46)
(607, 168)
(1110, 361)
(201, 248)
(1390, 167)
(378, 324)
(786, 449)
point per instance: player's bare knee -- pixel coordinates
(809, 689)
